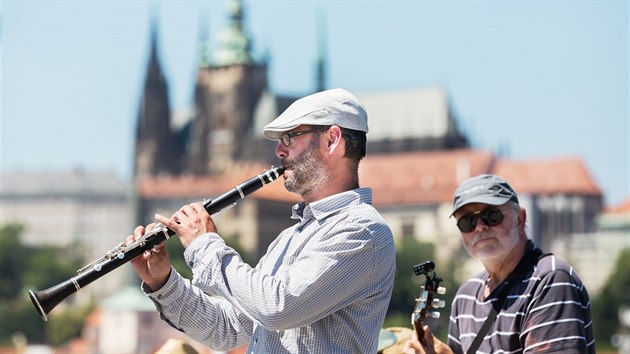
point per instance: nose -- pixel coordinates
(479, 223)
(281, 150)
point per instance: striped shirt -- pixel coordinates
(323, 286)
(549, 311)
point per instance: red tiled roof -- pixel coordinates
(623, 208)
(420, 177)
(401, 179)
(212, 186)
(548, 176)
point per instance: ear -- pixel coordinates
(522, 217)
(333, 140)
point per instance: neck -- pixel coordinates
(335, 185)
(499, 270)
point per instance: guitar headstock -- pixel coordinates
(426, 303)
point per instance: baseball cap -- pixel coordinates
(486, 189)
(331, 107)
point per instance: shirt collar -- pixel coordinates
(330, 205)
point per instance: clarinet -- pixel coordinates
(47, 299)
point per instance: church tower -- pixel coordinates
(155, 147)
(229, 85)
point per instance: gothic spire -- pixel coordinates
(320, 71)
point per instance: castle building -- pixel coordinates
(232, 102)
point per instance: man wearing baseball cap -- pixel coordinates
(524, 301)
(324, 284)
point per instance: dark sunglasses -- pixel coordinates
(490, 216)
(286, 137)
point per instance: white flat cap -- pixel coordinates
(331, 107)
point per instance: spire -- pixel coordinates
(204, 55)
(234, 44)
(320, 70)
(154, 68)
(153, 155)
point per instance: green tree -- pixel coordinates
(59, 265)
(176, 255)
(66, 325)
(12, 261)
(614, 295)
(25, 267)
(19, 315)
(407, 285)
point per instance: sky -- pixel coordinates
(533, 79)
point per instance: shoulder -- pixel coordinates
(473, 284)
(554, 267)
(554, 277)
(361, 212)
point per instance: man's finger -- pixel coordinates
(164, 220)
(138, 232)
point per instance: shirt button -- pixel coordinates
(191, 264)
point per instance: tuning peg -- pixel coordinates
(438, 304)
(441, 290)
(433, 314)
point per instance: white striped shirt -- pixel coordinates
(549, 311)
(323, 287)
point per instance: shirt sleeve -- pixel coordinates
(335, 270)
(211, 321)
(559, 318)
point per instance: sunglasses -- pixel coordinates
(490, 216)
(286, 137)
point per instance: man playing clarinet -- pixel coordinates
(324, 284)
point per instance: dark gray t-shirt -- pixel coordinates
(549, 311)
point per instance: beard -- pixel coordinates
(306, 172)
(498, 245)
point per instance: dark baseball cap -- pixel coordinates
(486, 189)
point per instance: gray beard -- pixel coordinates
(307, 174)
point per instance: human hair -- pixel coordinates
(356, 142)
(526, 228)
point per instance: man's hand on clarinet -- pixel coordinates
(154, 266)
(189, 222)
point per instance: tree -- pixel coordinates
(67, 324)
(12, 261)
(407, 285)
(176, 256)
(614, 295)
(23, 267)
(59, 265)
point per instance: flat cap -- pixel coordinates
(331, 107)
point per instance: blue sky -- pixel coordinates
(538, 79)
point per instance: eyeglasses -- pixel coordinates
(286, 137)
(490, 216)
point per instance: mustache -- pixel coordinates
(286, 163)
(483, 236)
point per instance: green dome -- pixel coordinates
(234, 45)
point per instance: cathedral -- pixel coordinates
(232, 102)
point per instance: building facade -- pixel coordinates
(92, 211)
